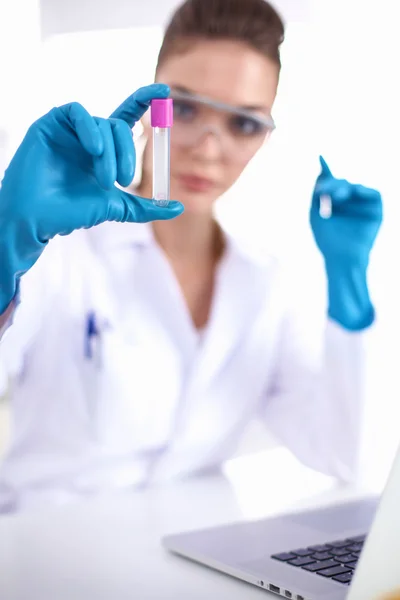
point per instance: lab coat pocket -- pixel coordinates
(135, 385)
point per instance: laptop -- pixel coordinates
(351, 550)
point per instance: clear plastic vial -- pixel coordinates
(325, 206)
(161, 122)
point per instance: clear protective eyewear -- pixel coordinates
(240, 131)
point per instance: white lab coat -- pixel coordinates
(158, 399)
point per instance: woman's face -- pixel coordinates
(211, 147)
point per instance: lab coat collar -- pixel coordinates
(116, 236)
(241, 289)
(241, 286)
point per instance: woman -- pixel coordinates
(140, 353)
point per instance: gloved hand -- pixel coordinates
(62, 178)
(345, 240)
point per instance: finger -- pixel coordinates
(366, 194)
(370, 209)
(117, 205)
(339, 190)
(328, 194)
(134, 107)
(84, 126)
(105, 166)
(361, 208)
(135, 209)
(325, 170)
(124, 151)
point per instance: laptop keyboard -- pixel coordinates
(336, 560)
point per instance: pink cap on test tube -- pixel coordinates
(162, 112)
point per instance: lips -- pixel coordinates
(194, 183)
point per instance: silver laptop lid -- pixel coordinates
(378, 571)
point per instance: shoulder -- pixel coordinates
(94, 242)
(293, 281)
(111, 235)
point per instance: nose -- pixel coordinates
(208, 146)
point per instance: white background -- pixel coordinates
(338, 96)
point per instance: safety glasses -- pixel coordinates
(240, 132)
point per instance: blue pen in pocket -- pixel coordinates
(93, 339)
(91, 332)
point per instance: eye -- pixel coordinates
(246, 126)
(184, 110)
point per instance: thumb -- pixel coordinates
(124, 207)
(325, 170)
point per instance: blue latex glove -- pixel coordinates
(62, 178)
(345, 240)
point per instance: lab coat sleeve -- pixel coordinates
(24, 323)
(314, 404)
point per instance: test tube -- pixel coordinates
(161, 122)
(325, 206)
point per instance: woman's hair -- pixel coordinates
(253, 22)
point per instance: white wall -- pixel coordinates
(20, 43)
(89, 15)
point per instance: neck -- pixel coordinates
(189, 238)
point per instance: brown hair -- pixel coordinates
(253, 22)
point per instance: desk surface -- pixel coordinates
(109, 548)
